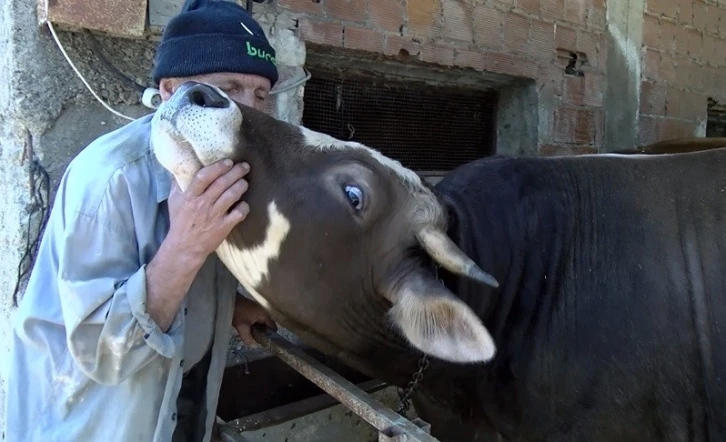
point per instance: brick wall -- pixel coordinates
(514, 37)
(684, 56)
(684, 46)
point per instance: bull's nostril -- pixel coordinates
(205, 96)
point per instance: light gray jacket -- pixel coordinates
(88, 362)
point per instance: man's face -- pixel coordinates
(250, 90)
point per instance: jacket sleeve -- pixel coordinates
(102, 286)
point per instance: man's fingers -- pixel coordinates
(207, 175)
(270, 324)
(237, 214)
(245, 335)
(230, 197)
(227, 180)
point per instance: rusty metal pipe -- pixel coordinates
(368, 408)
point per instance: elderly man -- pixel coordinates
(123, 331)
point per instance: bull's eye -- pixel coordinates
(355, 196)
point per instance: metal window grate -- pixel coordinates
(425, 127)
(716, 124)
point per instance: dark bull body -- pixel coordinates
(605, 324)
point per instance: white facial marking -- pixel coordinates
(443, 327)
(251, 265)
(186, 137)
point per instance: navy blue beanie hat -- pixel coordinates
(211, 36)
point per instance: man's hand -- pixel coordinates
(200, 219)
(202, 216)
(247, 313)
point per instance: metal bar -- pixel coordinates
(368, 408)
(294, 410)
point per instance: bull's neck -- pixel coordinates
(521, 242)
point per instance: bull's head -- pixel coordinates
(332, 244)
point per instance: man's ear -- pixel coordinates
(166, 88)
(436, 322)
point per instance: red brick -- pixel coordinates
(651, 66)
(720, 51)
(652, 99)
(351, 10)
(516, 32)
(437, 54)
(553, 9)
(542, 39)
(602, 49)
(504, 4)
(669, 128)
(565, 38)
(423, 17)
(685, 11)
(684, 75)
(711, 79)
(587, 43)
(573, 91)
(562, 150)
(685, 105)
(647, 130)
(712, 50)
(681, 40)
(651, 29)
(508, 64)
(597, 15)
(457, 21)
(394, 45)
(667, 36)
(307, 6)
(695, 44)
(551, 76)
(667, 68)
(575, 11)
(488, 27)
(471, 59)
(573, 125)
(362, 39)
(529, 6)
(321, 32)
(585, 90)
(722, 22)
(668, 8)
(705, 17)
(599, 126)
(386, 14)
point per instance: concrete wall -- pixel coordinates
(649, 67)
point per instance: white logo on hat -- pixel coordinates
(245, 26)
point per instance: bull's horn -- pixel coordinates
(443, 250)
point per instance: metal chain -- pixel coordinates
(404, 396)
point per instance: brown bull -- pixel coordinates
(601, 320)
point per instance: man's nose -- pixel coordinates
(204, 95)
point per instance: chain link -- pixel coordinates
(404, 396)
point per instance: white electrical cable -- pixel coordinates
(294, 84)
(150, 95)
(68, 59)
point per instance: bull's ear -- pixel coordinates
(436, 322)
